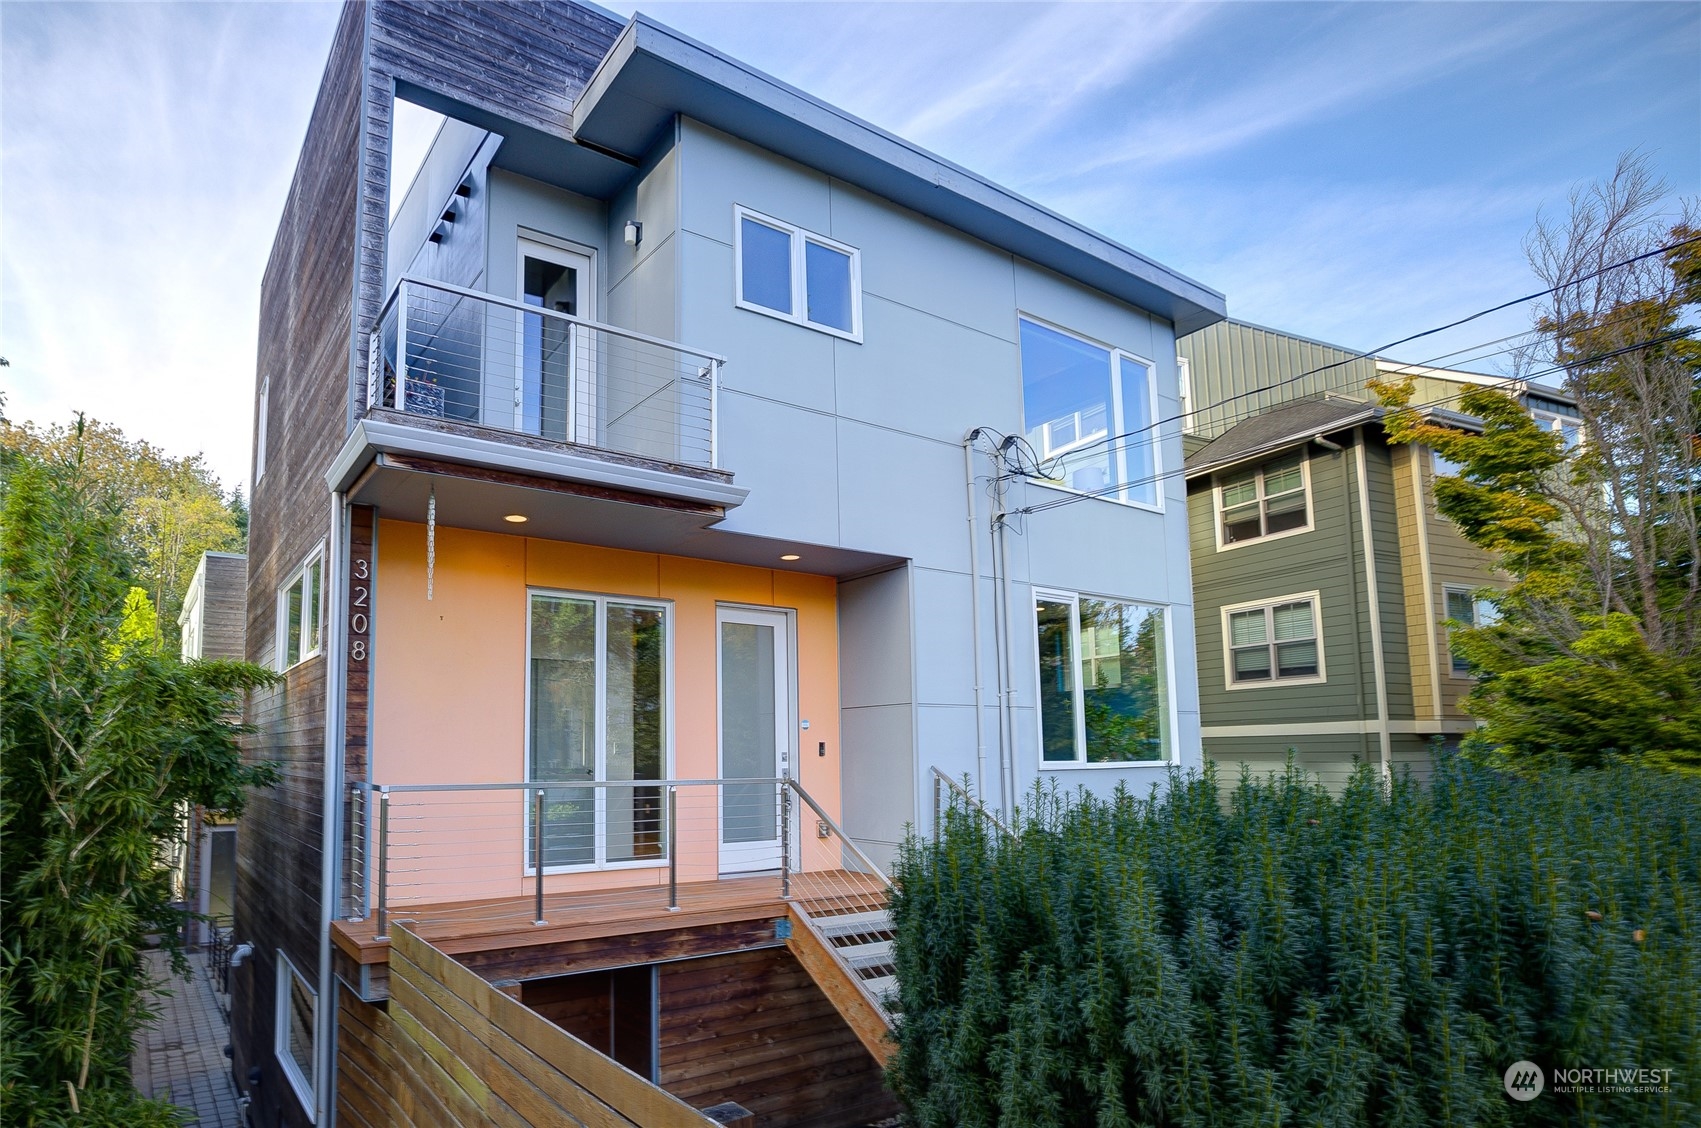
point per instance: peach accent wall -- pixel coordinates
(449, 690)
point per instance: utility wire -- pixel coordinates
(1028, 510)
(1373, 353)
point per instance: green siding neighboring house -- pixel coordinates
(1374, 681)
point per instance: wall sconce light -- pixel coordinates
(634, 233)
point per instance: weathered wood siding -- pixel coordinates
(305, 308)
(224, 606)
(451, 1050)
(752, 1027)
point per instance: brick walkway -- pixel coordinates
(181, 1057)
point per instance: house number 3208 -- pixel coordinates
(360, 597)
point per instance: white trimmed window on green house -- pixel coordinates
(1465, 608)
(1267, 501)
(1276, 642)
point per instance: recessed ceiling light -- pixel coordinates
(791, 556)
(516, 518)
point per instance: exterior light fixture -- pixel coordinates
(791, 556)
(634, 233)
(516, 518)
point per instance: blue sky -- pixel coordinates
(1353, 172)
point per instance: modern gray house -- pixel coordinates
(692, 485)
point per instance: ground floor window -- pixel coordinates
(598, 711)
(1466, 609)
(1104, 691)
(296, 1021)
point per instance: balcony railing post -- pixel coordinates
(358, 845)
(374, 363)
(402, 345)
(714, 415)
(937, 796)
(785, 834)
(383, 932)
(672, 848)
(537, 853)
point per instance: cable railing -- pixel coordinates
(468, 855)
(450, 353)
(949, 794)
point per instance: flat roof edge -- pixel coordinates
(767, 111)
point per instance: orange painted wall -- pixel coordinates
(449, 690)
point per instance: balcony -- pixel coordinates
(443, 352)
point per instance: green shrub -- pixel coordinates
(1293, 957)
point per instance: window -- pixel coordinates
(301, 612)
(293, 1031)
(1444, 467)
(1569, 428)
(1104, 680)
(1466, 609)
(260, 428)
(797, 275)
(1088, 413)
(1268, 501)
(598, 711)
(1273, 642)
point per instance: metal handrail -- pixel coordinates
(522, 307)
(965, 795)
(836, 829)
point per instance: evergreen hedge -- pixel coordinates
(1288, 956)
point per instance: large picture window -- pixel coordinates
(293, 1031)
(1104, 680)
(797, 275)
(1088, 411)
(598, 712)
(1267, 501)
(301, 612)
(1273, 642)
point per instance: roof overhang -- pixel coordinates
(1302, 435)
(652, 73)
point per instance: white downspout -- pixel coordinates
(974, 615)
(336, 648)
(1375, 600)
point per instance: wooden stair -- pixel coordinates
(849, 955)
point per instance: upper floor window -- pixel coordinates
(1104, 680)
(1569, 428)
(301, 612)
(1267, 501)
(260, 428)
(1088, 414)
(797, 275)
(1273, 642)
(1466, 609)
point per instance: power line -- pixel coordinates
(1373, 353)
(1029, 510)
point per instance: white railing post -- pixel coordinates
(537, 853)
(672, 848)
(715, 414)
(402, 345)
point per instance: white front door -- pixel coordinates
(555, 393)
(756, 726)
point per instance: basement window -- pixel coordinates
(296, 1020)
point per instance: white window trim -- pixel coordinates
(1172, 755)
(317, 603)
(799, 274)
(1470, 593)
(304, 1087)
(264, 411)
(1274, 682)
(1120, 451)
(1217, 506)
(1184, 390)
(601, 599)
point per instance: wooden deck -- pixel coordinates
(575, 918)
